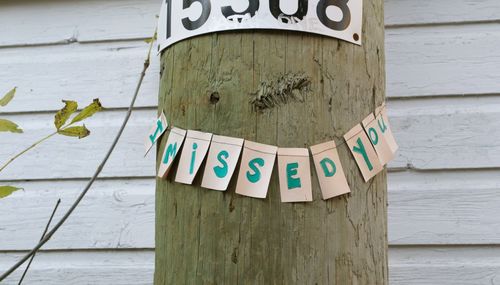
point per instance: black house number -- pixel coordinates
(254, 6)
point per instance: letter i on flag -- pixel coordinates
(294, 175)
(331, 176)
(363, 152)
(256, 168)
(193, 153)
(173, 146)
(221, 162)
(156, 131)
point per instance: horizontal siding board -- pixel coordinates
(87, 267)
(443, 60)
(97, 20)
(448, 208)
(423, 61)
(114, 214)
(417, 12)
(446, 133)
(72, 158)
(35, 22)
(471, 265)
(46, 75)
(408, 266)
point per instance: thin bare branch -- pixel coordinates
(43, 234)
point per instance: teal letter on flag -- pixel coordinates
(255, 177)
(291, 171)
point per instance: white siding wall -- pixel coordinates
(443, 82)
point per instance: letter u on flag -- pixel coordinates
(376, 129)
(256, 168)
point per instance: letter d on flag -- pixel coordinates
(332, 180)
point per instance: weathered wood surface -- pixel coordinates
(209, 237)
(442, 265)
(424, 208)
(434, 48)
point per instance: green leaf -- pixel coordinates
(8, 97)
(79, 132)
(8, 126)
(63, 115)
(88, 111)
(7, 191)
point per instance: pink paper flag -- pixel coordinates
(294, 175)
(332, 180)
(156, 131)
(256, 168)
(363, 152)
(221, 162)
(193, 153)
(172, 148)
(375, 128)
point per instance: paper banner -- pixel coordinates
(294, 175)
(256, 168)
(172, 148)
(383, 120)
(156, 131)
(375, 128)
(184, 19)
(193, 153)
(221, 162)
(363, 152)
(331, 176)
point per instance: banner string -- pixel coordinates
(382, 108)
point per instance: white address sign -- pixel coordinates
(182, 19)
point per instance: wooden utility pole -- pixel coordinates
(211, 237)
